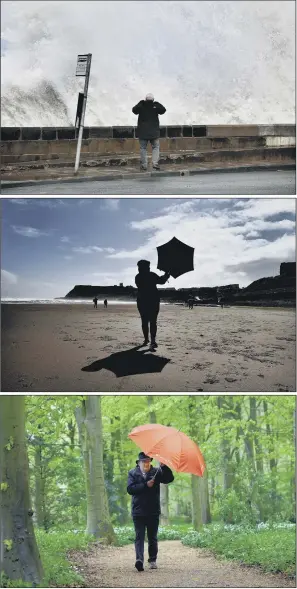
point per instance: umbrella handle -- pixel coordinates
(159, 468)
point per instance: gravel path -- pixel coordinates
(178, 566)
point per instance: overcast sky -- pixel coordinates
(49, 245)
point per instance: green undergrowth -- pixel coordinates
(125, 534)
(53, 548)
(273, 547)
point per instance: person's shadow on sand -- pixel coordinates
(129, 362)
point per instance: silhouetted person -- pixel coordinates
(95, 301)
(144, 486)
(190, 303)
(148, 128)
(105, 303)
(148, 299)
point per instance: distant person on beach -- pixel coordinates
(190, 302)
(95, 301)
(144, 486)
(148, 299)
(105, 303)
(148, 128)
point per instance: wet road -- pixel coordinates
(238, 183)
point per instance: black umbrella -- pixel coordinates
(175, 257)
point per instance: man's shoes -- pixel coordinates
(143, 169)
(139, 566)
(156, 167)
(153, 565)
(145, 343)
(154, 345)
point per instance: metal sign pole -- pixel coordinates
(81, 126)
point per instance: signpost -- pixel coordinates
(83, 67)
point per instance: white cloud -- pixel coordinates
(222, 250)
(68, 257)
(91, 249)
(8, 278)
(19, 201)
(111, 204)
(28, 231)
(65, 239)
(51, 203)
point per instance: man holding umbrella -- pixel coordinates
(144, 486)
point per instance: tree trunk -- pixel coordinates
(226, 406)
(39, 503)
(272, 460)
(19, 555)
(89, 423)
(204, 494)
(122, 483)
(71, 433)
(164, 500)
(196, 503)
(164, 490)
(200, 491)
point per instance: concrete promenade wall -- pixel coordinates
(20, 143)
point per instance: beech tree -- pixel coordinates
(89, 421)
(19, 555)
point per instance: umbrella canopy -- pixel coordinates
(176, 257)
(170, 446)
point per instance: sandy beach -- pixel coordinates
(75, 348)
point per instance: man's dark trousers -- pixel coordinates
(151, 523)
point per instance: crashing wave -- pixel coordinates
(209, 62)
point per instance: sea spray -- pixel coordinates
(209, 62)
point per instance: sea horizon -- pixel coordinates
(62, 301)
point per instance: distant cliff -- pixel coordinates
(274, 290)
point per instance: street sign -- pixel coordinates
(83, 68)
(82, 65)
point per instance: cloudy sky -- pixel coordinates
(49, 245)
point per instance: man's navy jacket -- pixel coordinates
(148, 125)
(146, 500)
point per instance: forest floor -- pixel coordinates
(178, 566)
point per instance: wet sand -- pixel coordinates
(75, 348)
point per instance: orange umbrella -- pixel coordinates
(170, 446)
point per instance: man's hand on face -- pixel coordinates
(150, 483)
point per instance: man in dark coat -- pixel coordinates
(144, 486)
(148, 299)
(148, 128)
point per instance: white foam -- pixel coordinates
(32, 301)
(209, 62)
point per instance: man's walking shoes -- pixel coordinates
(139, 566)
(153, 565)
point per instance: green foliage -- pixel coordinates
(10, 444)
(244, 487)
(126, 534)
(4, 487)
(271, 547)
(53, 547)
(8, 545)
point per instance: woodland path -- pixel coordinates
(178, 566)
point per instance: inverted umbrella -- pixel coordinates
(170, 446)
(176, 257)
